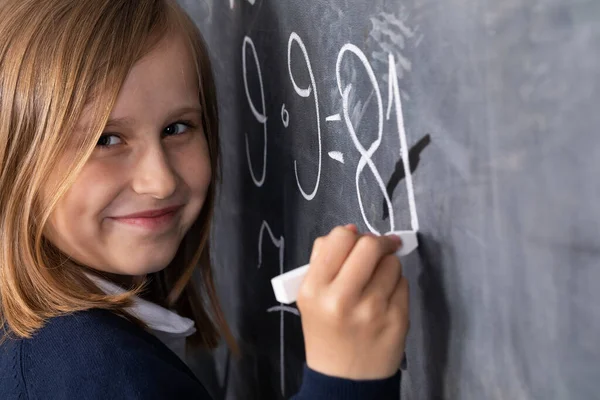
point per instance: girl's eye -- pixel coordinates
(108, 140)
(177, 128)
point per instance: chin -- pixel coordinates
(150, 269)
(145, 265)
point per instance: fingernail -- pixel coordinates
(397, 240)
(351, 227)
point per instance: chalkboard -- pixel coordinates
(474, 122)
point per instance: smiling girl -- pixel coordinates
(109, 158)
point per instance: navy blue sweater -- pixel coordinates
(96, 354)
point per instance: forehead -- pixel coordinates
(164, 78)
(165, 75)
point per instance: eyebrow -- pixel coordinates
(117, 122)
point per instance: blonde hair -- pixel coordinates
(55, 57)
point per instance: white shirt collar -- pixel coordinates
(156, 317)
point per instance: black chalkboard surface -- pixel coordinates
(474, 122)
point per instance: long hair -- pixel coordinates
(55, 57)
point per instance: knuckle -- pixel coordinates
(318, 246)
(338, 230)
(318, 241)
(373, 309)
(335, 307)
(306, 292)
(340, 237)
(306, 295)
(370, 244)
(341, 232)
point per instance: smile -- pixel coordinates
(151, 219)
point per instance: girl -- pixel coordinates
(110, 154)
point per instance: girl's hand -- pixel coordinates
(354, 306)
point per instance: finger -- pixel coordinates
(399, 301)
(332, 251)
(317, 245)
(362, 261)
(352, 227)
(385, 278)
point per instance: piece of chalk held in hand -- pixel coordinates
(287, 285)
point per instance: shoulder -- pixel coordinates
(87, 335)
(96, 354)
(11, 382)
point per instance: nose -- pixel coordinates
(154, 175)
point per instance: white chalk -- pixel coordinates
(409, 242)
(287, 285)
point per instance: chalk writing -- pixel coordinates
(280, 244)
(337, 156)
(394, 97)
(285, 116)
(260, 116)
(394, 105)
(305, 92)
(365, 159)
(232, 3)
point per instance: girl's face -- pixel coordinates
(148, 176)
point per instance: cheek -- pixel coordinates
(195, 168)
(96, 187)
(76, 217)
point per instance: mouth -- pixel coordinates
(151, 219)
